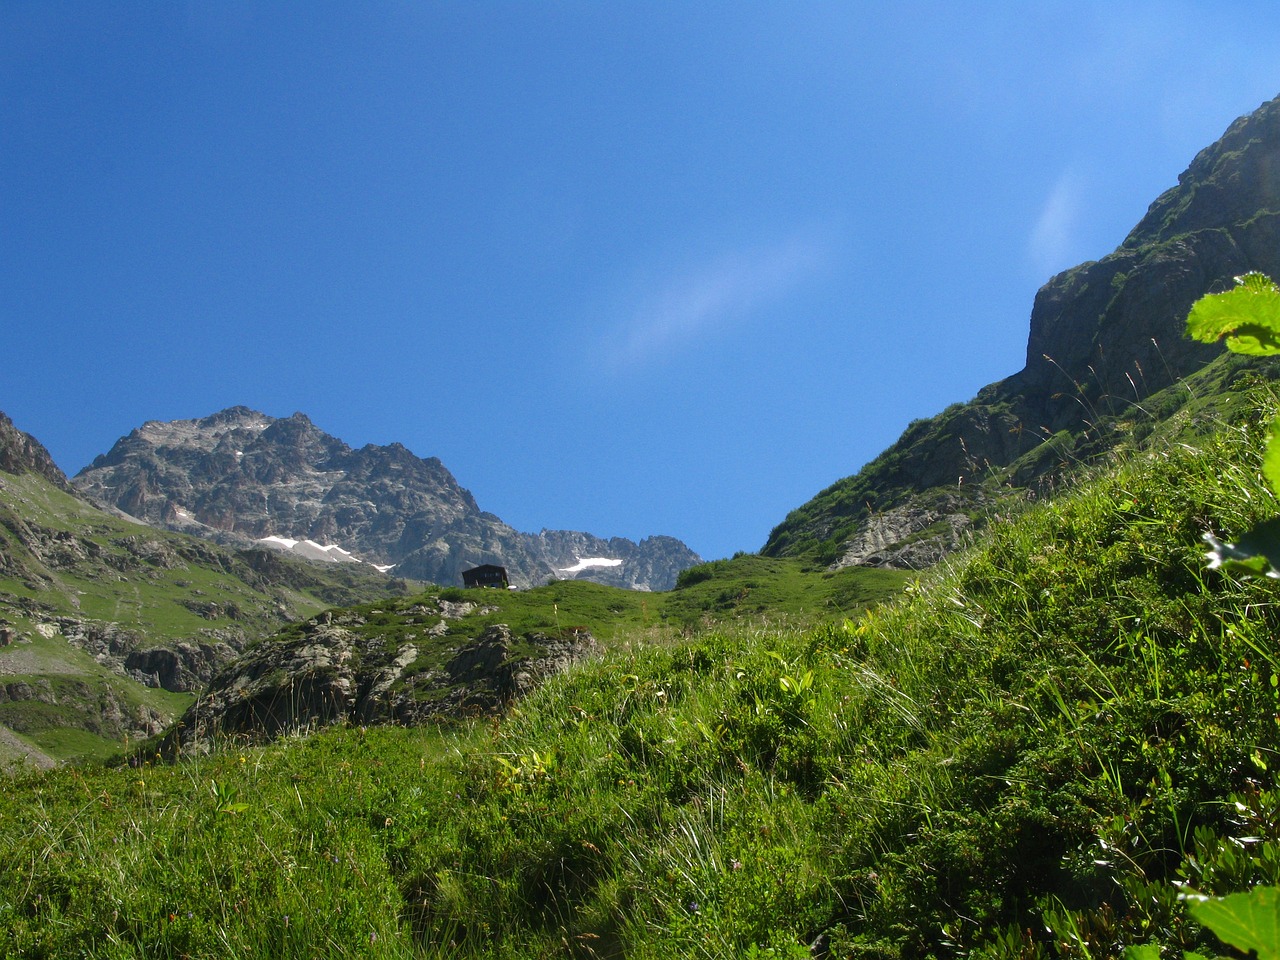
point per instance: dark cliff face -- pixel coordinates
(241, 475)
(22, 453)
(1104, 324)
(1104, 335)
(1229, 181)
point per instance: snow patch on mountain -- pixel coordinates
(589, 563)
(310, 549)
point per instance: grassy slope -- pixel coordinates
(1110, 426)
(186, 589)
(1018, 757)
(161, 586)
(745, 589)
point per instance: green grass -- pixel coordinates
(776, 589)
(61, 557)
(1022, 755)
(744, 589)
(75, 745)
(1110, 427)
(166, 586)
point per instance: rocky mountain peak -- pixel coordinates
(1104, 335)
(22, 453)
(205, 432)
(240, 476)
(232, 417)
(1229, 181)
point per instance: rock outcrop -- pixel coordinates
(97, 708)
(1104, 336)
(22, 453)
(181, 666)
(910, 537)
(331, 669)
(239, 476)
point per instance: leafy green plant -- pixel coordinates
(1246, 921)
(1247, 317)
(226, 798)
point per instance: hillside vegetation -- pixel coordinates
(112, 628)
(745, 588)
(1026, 754)
(820, 529)
(448, 653)
(1106, 354)
(92, 605)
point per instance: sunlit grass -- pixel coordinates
(1020, 756)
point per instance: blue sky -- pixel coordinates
(629, 268)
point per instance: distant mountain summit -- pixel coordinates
(240, 475)
(1105, 337)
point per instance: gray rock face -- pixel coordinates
(239, 476)
(97, 708)
(1104, 336)
(22, 453)
(910, 537)
(330, 673)
(182, 666)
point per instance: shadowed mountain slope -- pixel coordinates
(1106, 338)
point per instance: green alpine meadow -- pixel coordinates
(1040, 747)
(1011, 691)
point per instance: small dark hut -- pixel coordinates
(486, 575)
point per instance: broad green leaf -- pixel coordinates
(1246, 921)
(1142, 951)
(1263, 541)
(1248, 315)
(1271, 459)
(1255, 554)
(1257, 281)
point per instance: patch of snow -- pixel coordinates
(590, 562)
(383, 567)
(327, 552)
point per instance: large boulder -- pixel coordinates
(335, 669)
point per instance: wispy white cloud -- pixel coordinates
(687, 305)
(1053, 238)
